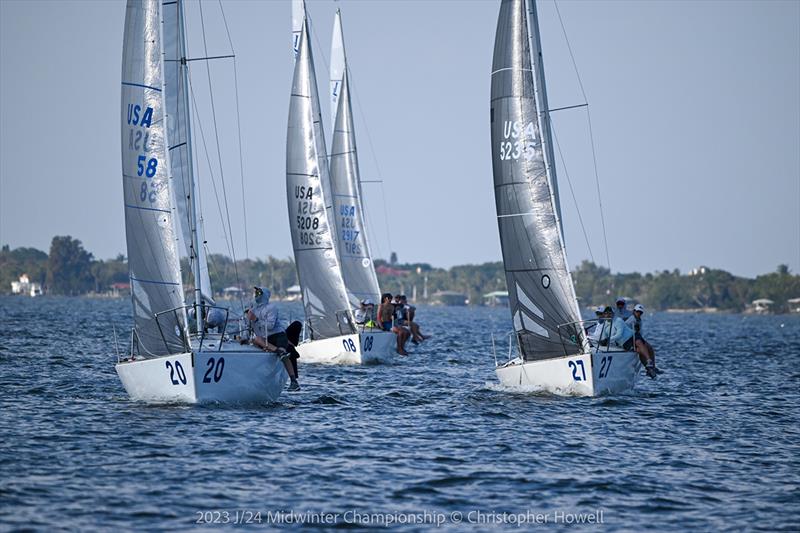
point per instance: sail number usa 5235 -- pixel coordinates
(519, 140)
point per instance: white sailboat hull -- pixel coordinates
(368, 346)
(235, 374)
(594, 374)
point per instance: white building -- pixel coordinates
(25, 287)
(762, 305)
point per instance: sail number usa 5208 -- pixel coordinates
(307, 217)
(140, 119)
(519, 140)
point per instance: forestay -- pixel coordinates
(358, 270)
(541, 294)
(324, 295)
(180, 151)
(150, 225)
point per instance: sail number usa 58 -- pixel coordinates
(140, 119)
(519, 140)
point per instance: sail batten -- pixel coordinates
(541, 295)
(151, 228)
(324, 295)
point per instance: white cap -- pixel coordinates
(638, 307)
(367, 301)
(600, 309)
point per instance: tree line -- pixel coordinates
(69, 269)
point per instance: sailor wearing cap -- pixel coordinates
(594, 331)
(622, 311)
(366, 313)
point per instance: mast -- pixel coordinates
(544, 110)
(547, 139)
(193, 217)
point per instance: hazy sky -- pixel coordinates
(695, 111)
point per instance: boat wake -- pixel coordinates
(530, 389)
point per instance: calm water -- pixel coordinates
(712, 444)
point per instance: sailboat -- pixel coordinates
(168, 362)
(331, 333)
(553, 353)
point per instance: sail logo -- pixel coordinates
(301, 191)
(134, 119)
(524, 147)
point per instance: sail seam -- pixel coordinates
(140, 85)
(153, 281)
(511, 68)
(147, 208)
(516, 214)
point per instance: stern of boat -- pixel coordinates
(368, 346)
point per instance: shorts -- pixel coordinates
(280, 340)
(638, 337)
(387, 326)
(628, 346)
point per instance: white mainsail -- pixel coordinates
(541, 293)
(150, 214)
(176, 88)
(298, 19)
(358, 269)
(325, 299)
(338, 61)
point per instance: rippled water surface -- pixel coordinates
(711, 444)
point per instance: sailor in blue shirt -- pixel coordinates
(270, 332)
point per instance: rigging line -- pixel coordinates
(239, 134)
(591, 135)
(219, 151)
(208, 161)
(597, 184)
(210, 166)
(374, 156)
(571, 189)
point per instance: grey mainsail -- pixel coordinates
(150, 224)
(541, 294)
(358, 270)
(176, 89)
(324, 295)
